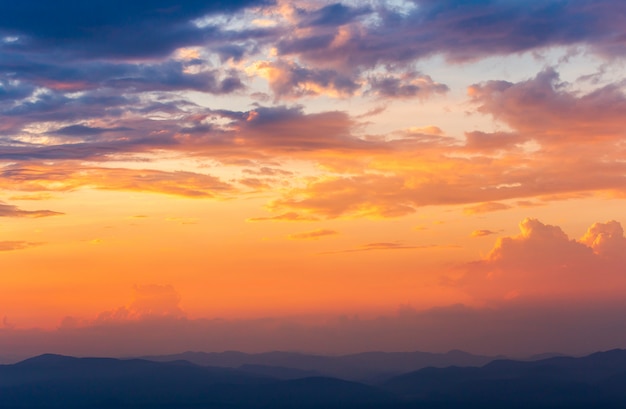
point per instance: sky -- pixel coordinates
(316, 176)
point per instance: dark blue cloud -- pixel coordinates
(333, 15)
(406, 85)
(110, 28)
(467, 30)
(83, 130)
(169, 75)
(11, 89)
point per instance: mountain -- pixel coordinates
(279, 372)
(597, 379)
(364, 367)
(55, 381)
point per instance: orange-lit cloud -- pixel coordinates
(379, 246)
(482, 233)
(289, 216)
(486, 208)
(543, 262)
(149, 302)
(288, 79)
(13, 211)
(16, 245)
(313, 235)
(41, 177)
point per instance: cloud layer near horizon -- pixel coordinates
(488, 331)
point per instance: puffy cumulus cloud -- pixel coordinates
(14, 211)
(313, 235)
(606, 239)
(543, 262)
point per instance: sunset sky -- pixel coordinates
(310, 175)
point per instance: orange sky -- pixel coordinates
(309, 159)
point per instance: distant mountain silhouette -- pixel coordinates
(364, 367)
(54, 381)
(597, 379)
(279, 372)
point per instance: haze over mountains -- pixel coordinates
(56, 381)
(365, 366)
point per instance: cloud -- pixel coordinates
(289, 216)
(59, 177)
(99, 30)
(542, 262)
(159, 300)
(482, 233)
(97, 89)
(13, 211)
(267, 171)
(333, 15)
(522, 330)
(384, 246)
(313, 235)
(149, 302)
(16, 245)
(364, 196)
(486, 208)
(488, 142)
(546, 110)
(83, 130)
(606, 239)
(35, 196)
(461, 31)
(406, 85)
(288, 79)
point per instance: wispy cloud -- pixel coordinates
(289, 216)
(14, 211)
(313, 234)
(17, 245)
(482, 233)
(382, 246)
